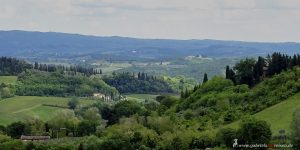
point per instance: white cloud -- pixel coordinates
(255, 20)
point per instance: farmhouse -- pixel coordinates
(102, 96)
(98, 95)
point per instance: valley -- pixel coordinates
(190, 101)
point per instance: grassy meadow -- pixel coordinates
(278, 116)
(21, 107)
(8, 79)
(141, 97)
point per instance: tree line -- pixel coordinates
(12, 66)
(251, 71)
(88, 71)
(127, 82)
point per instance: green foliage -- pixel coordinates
(73, 103)
(12, 145)
(6, 92)
(12, 66)
(129, 83)
(254, 131)
(167, 101)
(223, 102)
(225, 136)
(37, 83)
(179, 83)
(126, 108)
(251, 71)
(295, 125)
(245, 71)
(201, 142)
(8, 80)
(16, 129)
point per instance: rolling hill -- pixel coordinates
(53, 46)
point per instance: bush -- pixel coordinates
(16, 129)
(226, 136)
(202, 142)
(73, 103)
(254, 131)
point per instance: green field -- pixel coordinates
(141, 97)
(22, 107)
(278, 116)
(8, 79)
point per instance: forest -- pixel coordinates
(140, 83)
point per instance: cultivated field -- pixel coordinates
(21, 107)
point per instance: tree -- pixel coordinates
(16, 129)
(205, 78)
(86, 127)
(127, 108)
(230, 74)
(5, 92)
(295, 135)
(73, 103)
(259, 69)
(254, 131)
(226, 136)
(245, 71)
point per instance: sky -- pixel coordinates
(243, 20)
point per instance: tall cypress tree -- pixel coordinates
(205, 78)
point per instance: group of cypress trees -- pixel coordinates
(145, 76)
(12, 66)
(251, 72)
(88, 71)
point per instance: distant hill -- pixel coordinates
(52, 45)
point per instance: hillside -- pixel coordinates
(21, 107)
(278, 116)
(53, 46)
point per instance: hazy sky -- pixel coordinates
(248, 20)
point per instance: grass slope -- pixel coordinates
(8, 79)
(22, 107)
(278, 116)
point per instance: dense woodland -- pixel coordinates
(12, 66)
(196, 120)
(140, 83)
(40, 83)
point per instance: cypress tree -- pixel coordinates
(205, 78)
